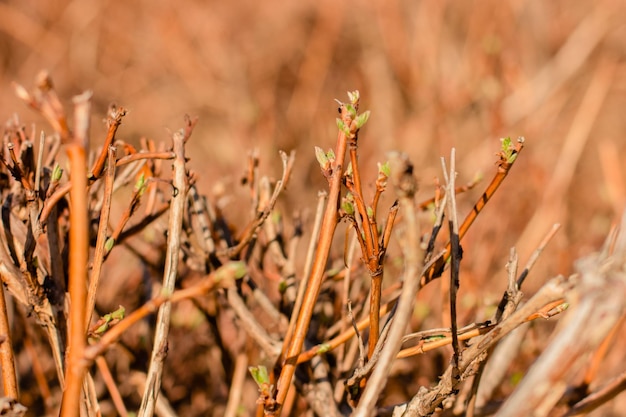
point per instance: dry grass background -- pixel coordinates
(435, 74)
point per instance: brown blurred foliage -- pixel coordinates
(435, 74)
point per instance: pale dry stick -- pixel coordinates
(236, 386)
(599, 304)
(99, 253)
(509, 302)
(572, 55)
(536, 253)
(427, 400)
(505, 353)
(89, 406)
(363, 369)
(79, 256)
(252, 327)
(129, 175)
(552, 205)
(596, 362)
(53, 149)
(455, 255)
(7, 361)
(177, 206)
(162, 408)
(603, 395)
(39, 167)
(406, 186)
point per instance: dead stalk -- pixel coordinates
(177, 205)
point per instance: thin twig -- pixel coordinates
(237, 385)
(99, 254)
(177, 206)
(109, 381)
(456, 253)
(114, 120)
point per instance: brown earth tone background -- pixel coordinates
(435, 75)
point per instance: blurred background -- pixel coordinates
(435, 75)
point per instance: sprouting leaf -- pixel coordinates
(351, 110)
(118, 314)
(340, 124)
(347, 206)
(362, 118)
(370, 212)
(354, 96)
(349, 171)
(342, 127)
(506, 144)
(57, 173)
(321, 157)
(260, 375)
(108, 320)
(330, 155)
(384, 169)
(508, 150)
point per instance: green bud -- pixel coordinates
(354, 96)
(351, 110)
(260, 375)
(235, 269)
(324, 347)
(508, 150)
(108, 245)
(118, 314)
(321, 157)
(362, 118)
(347, 207)
(57, 173)
(384, 169)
